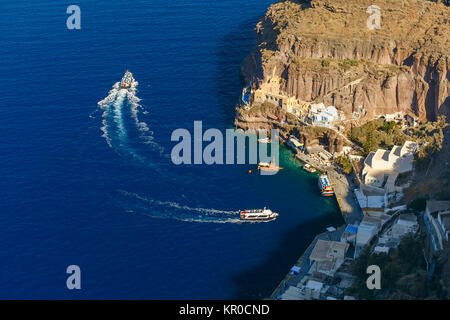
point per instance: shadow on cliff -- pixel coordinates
(260, 281)
(231, 52)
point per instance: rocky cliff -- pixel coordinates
(269, 116)
(325, 52)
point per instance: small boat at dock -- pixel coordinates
(258, 215)
(294, 144)
(264, 140)
(268, 167)
(309, 168)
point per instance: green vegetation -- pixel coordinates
(403, 271)
(325, 63)
(348, 63)
(345, 164)
(388, 127)
(384, 134)
(377, 134)
(315, 131)
(431, 136)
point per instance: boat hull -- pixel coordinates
(256, 215)
(258, 219)
(325, 186)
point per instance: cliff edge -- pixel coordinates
(324, 52)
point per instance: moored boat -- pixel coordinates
(264, 140)
(294, 144)
(326, 189)
(309, 168)
(258, 215)
(268, 167)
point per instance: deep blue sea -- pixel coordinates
(93, 185)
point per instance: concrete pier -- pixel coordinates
(343, 186)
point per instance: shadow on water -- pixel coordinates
(231, 52)
(260, 281)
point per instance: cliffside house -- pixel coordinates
(321, 115)
(312, 290)
(381, 168)
(349, 234)
(438, 214)
(406, 223)
(367, 229)
(270, 91)
(410, 121)
(390, 239)
(371, 200)
(327, 256)
(397, 116)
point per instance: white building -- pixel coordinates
(312, 290)
(322, 116)
(438, 213)
(381, 168)
(328, 256)
(393, 116)
(367, 229)
(381, 249)
(406, 223)
(349, 234)
(370, 200)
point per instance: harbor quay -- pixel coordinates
(303, 265)
(343, 186)
(343, 190)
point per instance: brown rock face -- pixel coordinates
(325, 52)
(269, 117)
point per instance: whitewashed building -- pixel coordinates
(322, 116)
(381, 168)
(328, 256)
(406, 223)
(438, 213)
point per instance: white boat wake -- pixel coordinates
(172, 210)
(119, 105)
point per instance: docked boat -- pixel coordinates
(309, 168)
(294, 144)
(127, 80)
(264, 140)
(258, 215)
(326, 189)
(268, 167)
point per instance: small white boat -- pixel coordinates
(307, 167)
(266, 166)
(258, 215)
(264, 140)
(294, 144)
